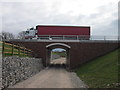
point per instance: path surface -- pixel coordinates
(54, 77)
(58, 61)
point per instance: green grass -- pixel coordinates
(62, 54)
(101, 72)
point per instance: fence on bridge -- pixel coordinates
(75, 37)
(8, 49)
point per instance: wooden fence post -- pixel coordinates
(12, 49)
(3, 48)
(30, 53)
(27, 53)
(24, 51)
(19, 50)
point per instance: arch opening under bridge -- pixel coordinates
(53, 46)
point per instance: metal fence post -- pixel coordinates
(104, 38)
(63, 37)
(49, 38)
(90, 37)
(77, 37)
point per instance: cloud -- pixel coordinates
(18, 16)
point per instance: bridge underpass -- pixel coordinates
(60, 61)
(78, 52)
(58, 57)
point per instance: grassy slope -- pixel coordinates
(101, 72)
(61, 54)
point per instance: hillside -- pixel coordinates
(101, 72)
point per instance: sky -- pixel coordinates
(100, 15)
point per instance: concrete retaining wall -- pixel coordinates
(16, 69)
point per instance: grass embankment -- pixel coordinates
(101, 72)
(62, 54)
(16, 51)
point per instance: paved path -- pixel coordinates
(54, 77)
(58, 61)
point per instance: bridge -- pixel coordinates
(78, 50)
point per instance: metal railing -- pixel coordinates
(75, 37)
(71, 37)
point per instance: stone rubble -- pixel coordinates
(16, 69)
(77, 82)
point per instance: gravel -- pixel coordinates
(77, 82)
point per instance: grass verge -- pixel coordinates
(101, 72)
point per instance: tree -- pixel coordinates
(0, 36)
(7, 35)
(21, 35)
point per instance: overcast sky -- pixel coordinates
(100, 15)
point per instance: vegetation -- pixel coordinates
(62, 54)
(101, 72)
